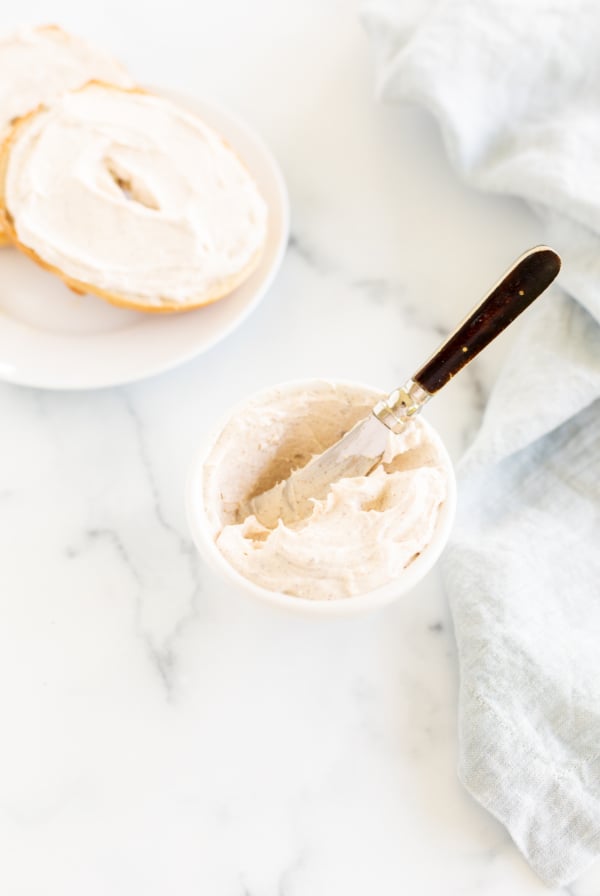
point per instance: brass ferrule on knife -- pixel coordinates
(400, 405)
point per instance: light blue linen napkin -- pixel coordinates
(515, 87)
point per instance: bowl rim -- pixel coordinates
(344, 606)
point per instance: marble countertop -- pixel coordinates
(160, 733)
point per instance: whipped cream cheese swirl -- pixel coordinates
(364, 533)
(125, 194)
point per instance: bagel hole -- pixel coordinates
(131, 187)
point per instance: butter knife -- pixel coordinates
(361, 449)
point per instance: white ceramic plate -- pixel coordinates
(54, 339)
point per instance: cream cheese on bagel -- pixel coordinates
(38, 64)
(127, 195)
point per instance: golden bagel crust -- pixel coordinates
(9, 235)
(5, 239)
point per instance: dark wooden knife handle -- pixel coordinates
(525, 281)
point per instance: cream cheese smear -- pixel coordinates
(364, 532)
(198, 220)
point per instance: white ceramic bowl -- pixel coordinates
(203, 538)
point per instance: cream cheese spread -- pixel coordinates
(37, 65)
(367, 529)
(131, 193)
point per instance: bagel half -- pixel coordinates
(125, 195)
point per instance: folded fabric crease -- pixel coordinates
(515, 87)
